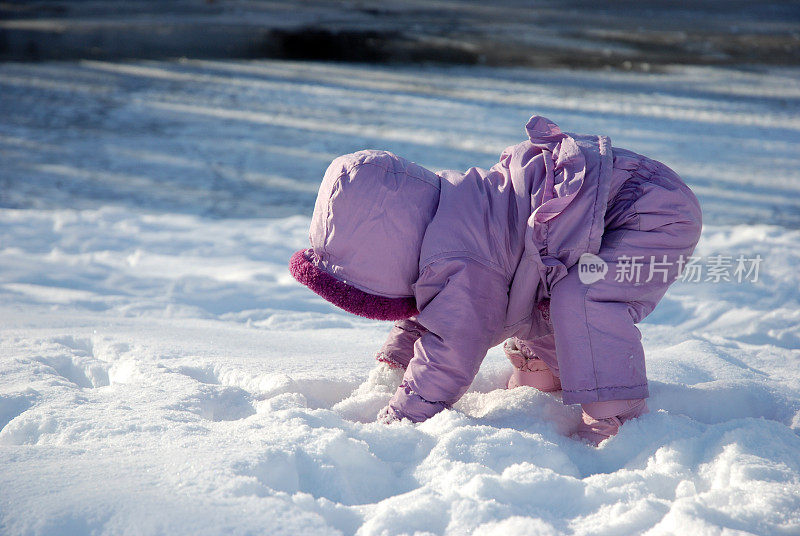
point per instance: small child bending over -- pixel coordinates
(559, 250)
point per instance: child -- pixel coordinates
(464, 261)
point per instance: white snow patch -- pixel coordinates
(162, 373)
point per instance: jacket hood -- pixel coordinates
(371, 213)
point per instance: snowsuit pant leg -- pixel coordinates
(654, 222)
(545, 349)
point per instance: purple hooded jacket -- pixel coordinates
(470, 257)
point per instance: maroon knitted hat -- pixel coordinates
(347, 297)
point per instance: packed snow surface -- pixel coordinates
(161, 372)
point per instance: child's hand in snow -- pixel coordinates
(387, 416)
(365, 401)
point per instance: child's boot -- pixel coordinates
(602, 420)
(529, 370)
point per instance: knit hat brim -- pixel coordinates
(347, 297)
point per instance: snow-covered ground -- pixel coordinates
(161, 373)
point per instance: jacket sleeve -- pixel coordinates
(398, 349)
(462, 306)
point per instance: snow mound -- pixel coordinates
(162, 373)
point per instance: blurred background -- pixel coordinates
(233, 108)
(628, 34)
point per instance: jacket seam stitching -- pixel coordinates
(387, 170)
(589, 339)
(605, 387)
(329, 211)
(602, 146)
(454, 254)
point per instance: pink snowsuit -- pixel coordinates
(463, 261)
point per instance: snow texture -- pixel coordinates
(162, 373)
